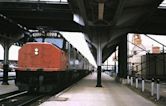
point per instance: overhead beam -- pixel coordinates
(108, 51)
(119, 10)
(82, 9)
(148, 15)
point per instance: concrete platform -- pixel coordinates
(7, 88)
(84, 93)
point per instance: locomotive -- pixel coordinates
(50, 63)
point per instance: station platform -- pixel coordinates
(7, 88)
(84, 93)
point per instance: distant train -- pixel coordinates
(49, 63)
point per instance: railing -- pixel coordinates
(9, 78)
(153, 88)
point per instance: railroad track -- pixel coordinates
(8, 94)
(19, 99)
(25, 98)
(30, 99)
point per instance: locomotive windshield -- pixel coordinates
(56, 41)
(38, 39)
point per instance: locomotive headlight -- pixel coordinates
(36, 51)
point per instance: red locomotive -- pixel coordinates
(48, 64)
(42, 55)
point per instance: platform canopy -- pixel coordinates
(110, 19)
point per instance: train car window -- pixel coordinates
(67, 45)
(58, 42)
(77, 62)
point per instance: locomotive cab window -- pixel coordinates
(39, 39)
(56, 41)
(53, 38)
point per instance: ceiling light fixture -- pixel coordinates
(100, 9)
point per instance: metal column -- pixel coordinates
(6, 46)
(99, 63)
(122, 60)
